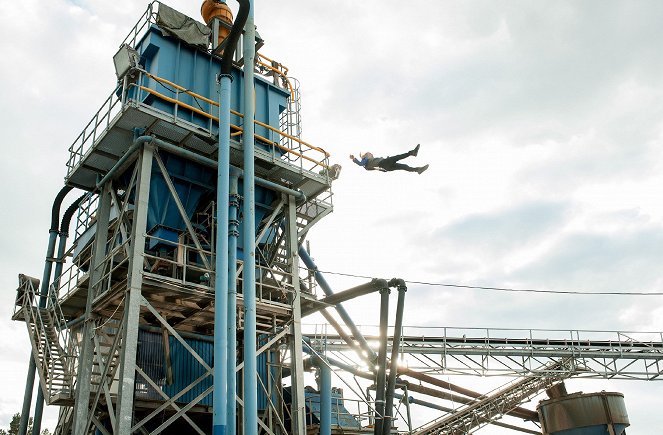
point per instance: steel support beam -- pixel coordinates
(296, 349)
(82, 397)
(127, 373)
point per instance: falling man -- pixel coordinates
(386, 164)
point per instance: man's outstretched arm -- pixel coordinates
(361, 162)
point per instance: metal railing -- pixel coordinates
(340, 411)
(492, 351)
(52, 347)
(288, 140)
(134, 94)
(86, 213)
(101, 122)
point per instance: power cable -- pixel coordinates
(501, 289)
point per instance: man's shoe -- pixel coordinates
(415, 151)
(422, 169)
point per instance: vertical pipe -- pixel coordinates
(391, 383)
(250, 378)
(39, 404)
(382, 361)
(233, 232)
(325, 398)
(320, 279)
(46, 276)
(43, 291)
(59, 263)
(221, 265)
(408, 411)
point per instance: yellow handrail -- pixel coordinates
(239, 129)
(214, 103)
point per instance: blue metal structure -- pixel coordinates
(146, 322)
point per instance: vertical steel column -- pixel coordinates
(249, 282)
(298, 410)
(82, 398)
(221, 266)
(393, 369)
(382, 361)
(325, 398)
(127, 371)
(233, 232)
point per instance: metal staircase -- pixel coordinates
(494, 406)
(53, 352)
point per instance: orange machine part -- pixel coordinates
(211, 9)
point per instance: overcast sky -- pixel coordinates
(542, 123)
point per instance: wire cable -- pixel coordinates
(501, 289)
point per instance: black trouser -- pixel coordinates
(391, 163)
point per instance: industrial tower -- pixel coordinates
(177, 307)
(184, 265)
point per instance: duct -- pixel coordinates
(393, 369)
(62, 247)
(382, 362)
(516, 412)
(43, 292)
(353, 344)
(233, 231)
(174, 23)
(325, 398)
(432, 405)
(223, 371)
(320, 279)
(343, 366)
(337, 298)
(249, 233)
(523, 413)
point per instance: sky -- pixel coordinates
(542, 123)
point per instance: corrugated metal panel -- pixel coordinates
(261, 365)
(186, 369)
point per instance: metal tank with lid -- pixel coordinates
(601, 413)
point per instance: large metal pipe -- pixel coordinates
(432, 405)
(324, 285)
(516, 412)
(59, 263)
(233, 232)
(523, 413)
(382, 362)
(341, 332)
(343, 366)
(221, 263)
(351, 293)
(46, 276)
(393, 369)
(325, 398)
(222, 266)
(221, 293)
(249, 233)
